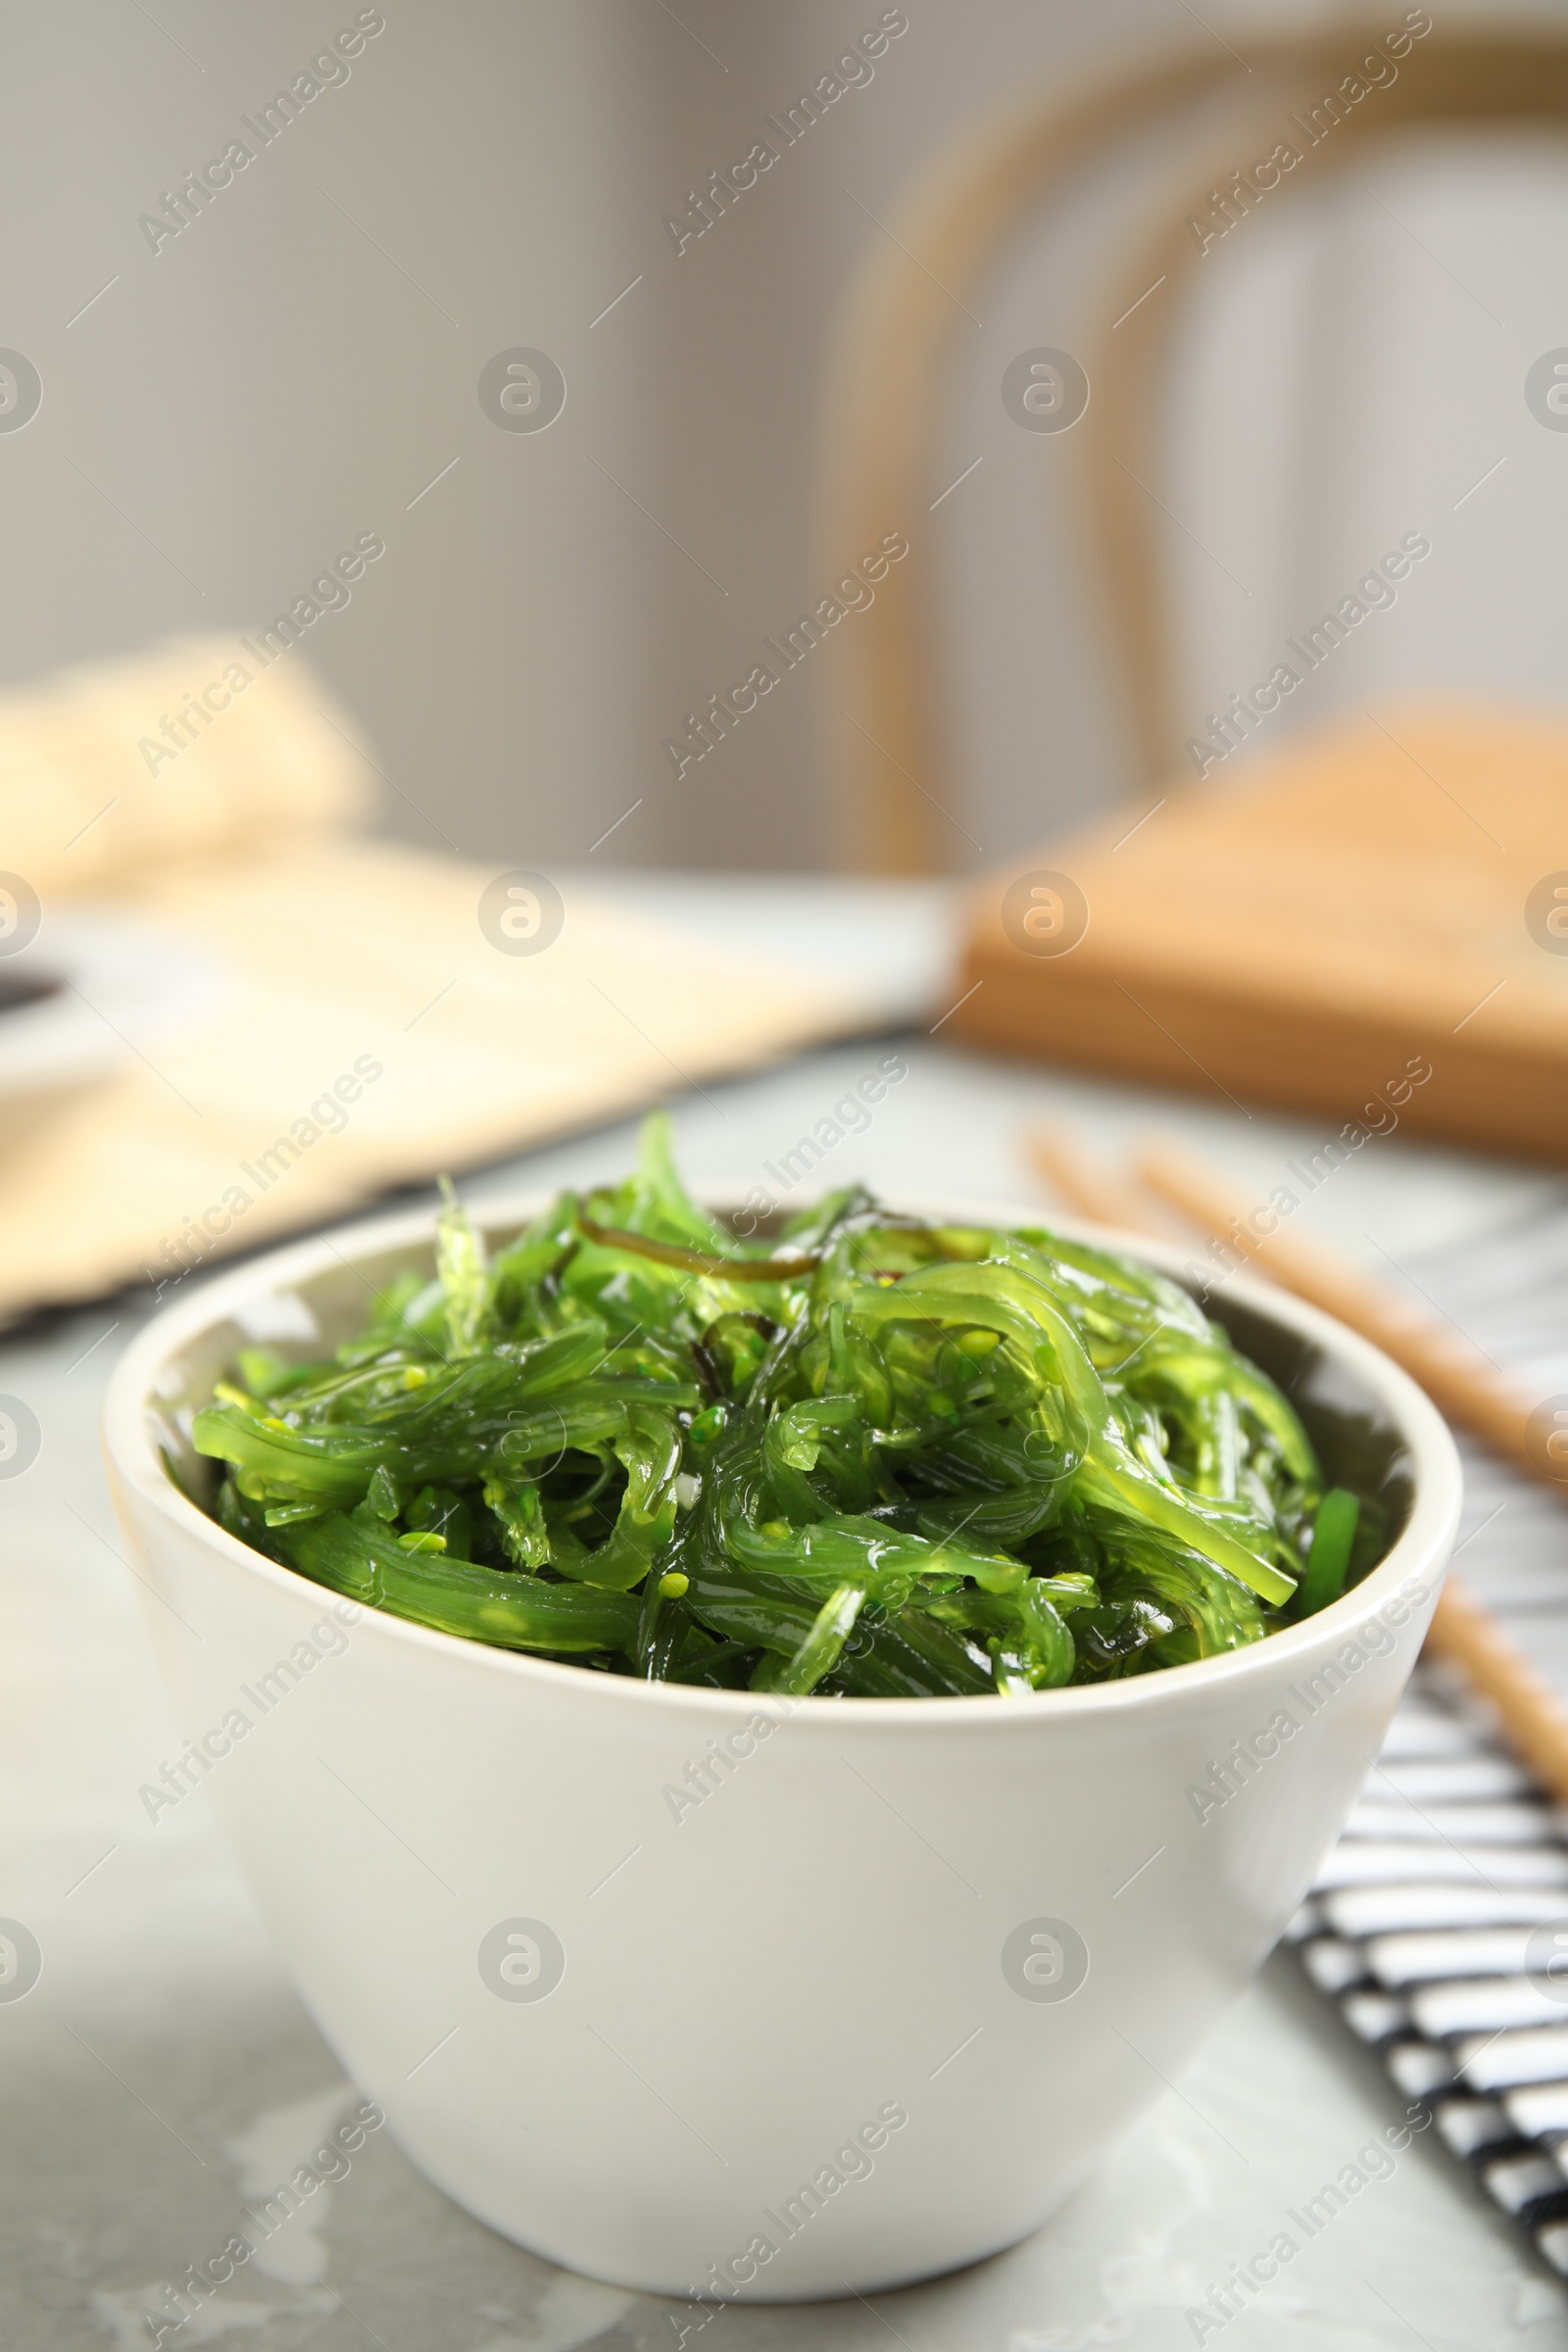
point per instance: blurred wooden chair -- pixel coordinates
(904, 310)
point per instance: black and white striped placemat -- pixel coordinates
(1439, 1922)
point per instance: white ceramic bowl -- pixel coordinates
(868, 2007)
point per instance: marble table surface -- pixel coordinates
(161, 2071)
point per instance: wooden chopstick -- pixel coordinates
(1461, 1382)
(1095, 1189)
(1531, 1716)
(1098, 1189)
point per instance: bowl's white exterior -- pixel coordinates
(760, 1981)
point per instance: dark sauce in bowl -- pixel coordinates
(16, 992)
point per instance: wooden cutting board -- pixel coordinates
(1366, 900)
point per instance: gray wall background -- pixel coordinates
(302, 360)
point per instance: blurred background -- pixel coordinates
(300, 361)
(452, 890)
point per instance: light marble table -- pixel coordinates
(162, 2072)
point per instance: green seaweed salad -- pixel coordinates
(873, 1457)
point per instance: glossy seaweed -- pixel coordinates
(870, 1457)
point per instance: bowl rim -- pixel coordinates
(1420, 1552)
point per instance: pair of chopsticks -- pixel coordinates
(1461, 1382)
